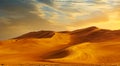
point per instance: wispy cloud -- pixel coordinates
(20, 16)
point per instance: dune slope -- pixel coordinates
(24, 50)
(91, 53)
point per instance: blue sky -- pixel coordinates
(21, 16)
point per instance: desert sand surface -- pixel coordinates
(84, 46)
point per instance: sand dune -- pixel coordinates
(94, 34)
(39, 34)
(92, 53)
(31, 48)
(89, 46)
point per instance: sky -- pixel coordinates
(18, 17)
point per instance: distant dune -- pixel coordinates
(40, 34)
(90, 34)
(90, 45)
(94, 34)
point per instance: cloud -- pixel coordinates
(20, 16)
(48, 2)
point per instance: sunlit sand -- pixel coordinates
(64, 47)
